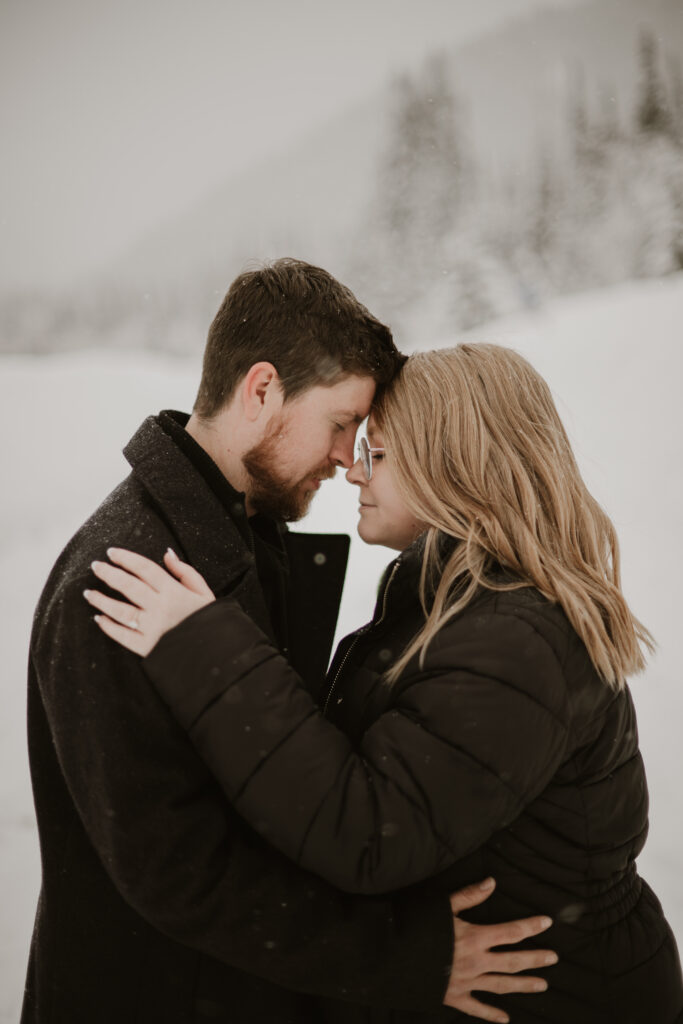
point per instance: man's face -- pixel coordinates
(313, 434)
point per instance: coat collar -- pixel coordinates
(213, 539)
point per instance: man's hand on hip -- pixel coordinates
(476, 968)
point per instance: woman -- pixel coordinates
(481, 723)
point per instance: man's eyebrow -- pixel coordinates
(346, 414)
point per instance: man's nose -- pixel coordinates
(342, 452)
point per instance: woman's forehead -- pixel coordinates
(372, 429)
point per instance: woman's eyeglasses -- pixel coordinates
(365, 453)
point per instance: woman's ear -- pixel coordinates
(261, 391)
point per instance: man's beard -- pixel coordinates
(269, 493)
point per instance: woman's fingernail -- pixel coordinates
(111, 552)
(97, 618)
(170, 551)
(488, 883)
(95, 566)
(551, 958)
(86, 594)
(546, 922)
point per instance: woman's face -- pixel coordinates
(384, 519)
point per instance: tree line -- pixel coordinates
(447, 247)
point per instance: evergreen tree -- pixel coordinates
(420, 185)
(441, 153)
(398, 170)
(652, 114)
(676, 93)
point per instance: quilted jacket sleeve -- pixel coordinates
(179, 856)
(468, 741)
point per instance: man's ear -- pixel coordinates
(261, 391)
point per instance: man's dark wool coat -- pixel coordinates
(504, 754)
(158, 903)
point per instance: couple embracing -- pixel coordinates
(442, 826)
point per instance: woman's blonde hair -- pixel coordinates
(479, 454)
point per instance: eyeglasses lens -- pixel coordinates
(365, 456)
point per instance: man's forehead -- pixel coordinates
(351, 398)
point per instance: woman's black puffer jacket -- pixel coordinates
(504, 754)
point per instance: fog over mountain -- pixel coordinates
(115, 117)
(513, 168)
(514, 86)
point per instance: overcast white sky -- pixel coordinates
(115, 115)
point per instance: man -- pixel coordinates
(158, 903)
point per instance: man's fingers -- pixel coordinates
(468, 1004)
(119, 611)
(502, 983)
(522, 960)
(126, 637)
(512, 932)
(136, 590)
(142, 567)
(472, 895)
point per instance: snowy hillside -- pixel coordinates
(542, 158)
(513, 84)
(614, 360)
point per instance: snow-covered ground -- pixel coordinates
(614, 361)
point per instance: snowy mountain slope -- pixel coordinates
(514, 86)
(614, 361)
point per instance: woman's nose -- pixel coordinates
(356, 475)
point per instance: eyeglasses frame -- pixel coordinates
(365, 453)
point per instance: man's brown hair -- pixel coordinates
(302, 320)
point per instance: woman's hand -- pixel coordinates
(158, 601)
(476, 969)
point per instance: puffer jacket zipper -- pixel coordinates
(360, 633)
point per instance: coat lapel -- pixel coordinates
(218, 543)
(215, 542)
